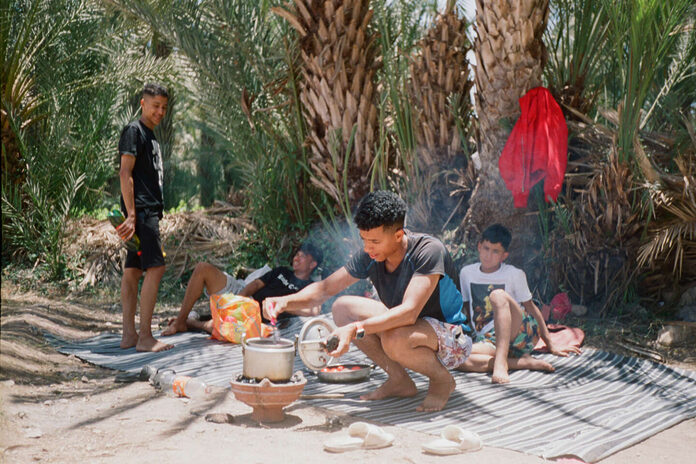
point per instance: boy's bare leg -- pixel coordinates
(483, 362)
(347, 309)
(507, 317)
(415, 348)
(129, 302)
(200, 325)
(204, 276)
(148, 297)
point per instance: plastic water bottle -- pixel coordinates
(163, 379)
(116, 219)
(190, 387)
(168, 381)
(148, 372)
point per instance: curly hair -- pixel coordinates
(380, 208)
(497, 233)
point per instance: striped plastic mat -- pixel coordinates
(592, 406)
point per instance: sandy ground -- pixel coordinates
(58, 409)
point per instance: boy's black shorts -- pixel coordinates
(147, 228)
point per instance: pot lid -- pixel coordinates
(309, 342)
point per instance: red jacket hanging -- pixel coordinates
(536, 149)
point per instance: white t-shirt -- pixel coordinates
(476, 286)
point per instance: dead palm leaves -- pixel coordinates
(671, 246)
(615, 230)
(212, 235)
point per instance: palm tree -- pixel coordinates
(439, 75)
(439, 88)
(509, 61)
(340, 56)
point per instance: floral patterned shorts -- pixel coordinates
(454, 346)
(523, 343)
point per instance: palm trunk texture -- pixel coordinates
(340, 55)
(438, 71)
(509, 61)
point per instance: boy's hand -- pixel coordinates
(345, 335)
(273, 306)
(563, 351)
(127, 228)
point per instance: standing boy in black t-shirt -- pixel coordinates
(276, 282)
(417, 324)
(140, 176)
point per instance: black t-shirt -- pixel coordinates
(425, 255)
(138, 140)
(279, 281)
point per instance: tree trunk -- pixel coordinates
(509, 59)
(340, 56)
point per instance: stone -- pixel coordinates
(687, 313)
(688, 297)
(677, 333)
(33, 432)
(578, 310)
(219, 418)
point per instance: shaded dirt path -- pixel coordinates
(58, 409)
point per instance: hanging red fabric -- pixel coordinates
(536, 149)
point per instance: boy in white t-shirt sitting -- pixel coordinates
(505, 334)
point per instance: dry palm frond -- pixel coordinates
(601, 251)
(340, 56)
(671, 244)
(440, 72)
(211, 235)
(592, 252)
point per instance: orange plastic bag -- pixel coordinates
(234, 316)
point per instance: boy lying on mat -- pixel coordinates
(505, 336)
(277, 282)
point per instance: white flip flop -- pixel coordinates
(361, 435)
(455, 440)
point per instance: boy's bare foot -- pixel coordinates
(152, 344)
(402, 387)
(129, 341)
(438, 395)
(534, 364)
(195, 324)
(174, 326)
(500, 372)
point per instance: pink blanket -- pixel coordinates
(562, 335)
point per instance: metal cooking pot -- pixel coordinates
(266, 358)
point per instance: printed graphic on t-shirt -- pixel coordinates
(285, 282)
(481, 303)
(157, 161)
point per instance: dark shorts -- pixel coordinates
(523, 343)
(147, 228)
